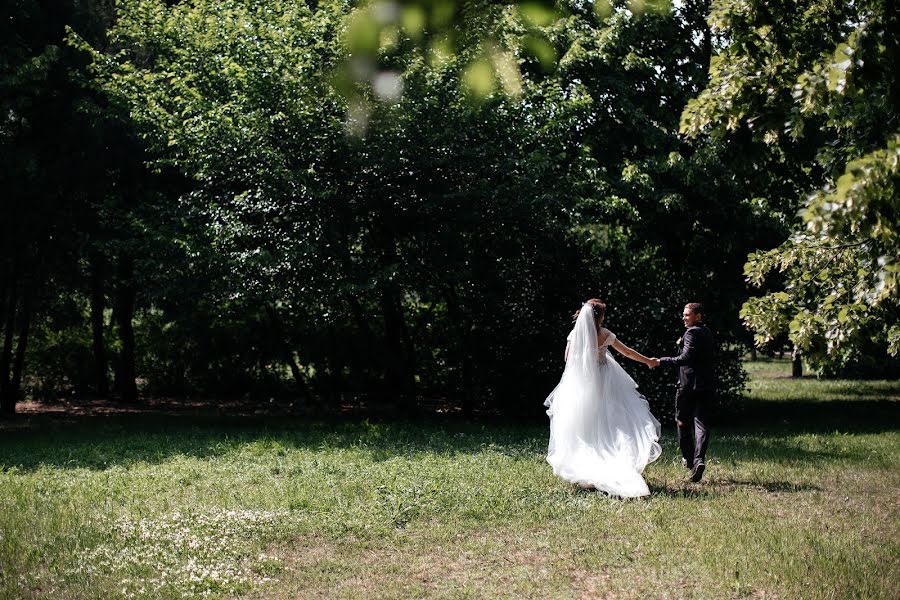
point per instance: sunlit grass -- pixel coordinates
(771, 380)
(799, 501)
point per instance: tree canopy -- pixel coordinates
(227, 202)
(817, 83)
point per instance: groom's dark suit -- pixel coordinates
(696, 389)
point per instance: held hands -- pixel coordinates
(653, 363)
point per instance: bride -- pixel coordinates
(602, 433)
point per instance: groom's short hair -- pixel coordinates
(695, 307)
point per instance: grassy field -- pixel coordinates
(800, 501)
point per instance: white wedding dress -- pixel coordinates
(602, 433)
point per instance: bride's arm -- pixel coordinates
(632, 354)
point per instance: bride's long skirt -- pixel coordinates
(602, 433)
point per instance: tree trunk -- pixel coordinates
(366, 368)
(7, 396)
(98, 303)
(753, 352)
(796, 365)
(288, 354)
(706, 55)
(335, 368)
(5, 285)
(463, 330)
(398, 354)
(125, 296)
(399, 375)
(21, 344)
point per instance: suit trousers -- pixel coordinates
(691, 417)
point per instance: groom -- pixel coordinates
(696, 389)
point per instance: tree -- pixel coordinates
(343, 241)
(818, 80)
(452, 215)
(51, 169)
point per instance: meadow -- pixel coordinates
(799, 501)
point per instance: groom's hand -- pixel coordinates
(654, 362)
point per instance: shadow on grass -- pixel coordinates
(814, 416)
(101, 442)
(781, 447)
(769, 486)
(715, 488)
(762, 431)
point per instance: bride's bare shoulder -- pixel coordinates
(604, 335)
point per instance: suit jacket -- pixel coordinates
(696, 361)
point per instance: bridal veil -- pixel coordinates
(602, 433)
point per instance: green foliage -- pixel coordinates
(656, 226)
(439, 251)
(319, 245)
(60, 353)
(822, 83)
(383, 37)
(57, 170)
(337, 238)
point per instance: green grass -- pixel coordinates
(771, 380)
(800, 501)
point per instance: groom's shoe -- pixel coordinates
(697, 471)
